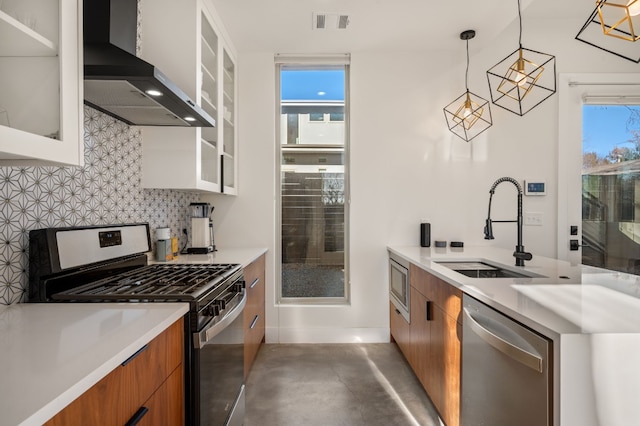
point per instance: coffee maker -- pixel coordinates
(201, 236)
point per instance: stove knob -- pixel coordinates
(239, 286)
(220, 304)
(211, 310)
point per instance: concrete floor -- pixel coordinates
(333, 385)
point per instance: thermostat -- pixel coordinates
(535, 187)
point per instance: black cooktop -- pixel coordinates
(171, 282)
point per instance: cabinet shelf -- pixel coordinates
(17, 39)
(211, 144)
(228, 75)
(207, 103)
(208, 49)
(208, 74)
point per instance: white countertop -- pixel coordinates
(243, 256)
(51, 353)
(565, 299)
(591, 315)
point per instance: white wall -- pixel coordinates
(406, 165)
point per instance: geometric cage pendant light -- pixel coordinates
(522, 80)
(469, 114)
(614, 26)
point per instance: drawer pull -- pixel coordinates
(429, 309)
(132, 357)
(255, 320)
(254, 283)
(137, 416)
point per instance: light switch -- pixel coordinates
(533, 219)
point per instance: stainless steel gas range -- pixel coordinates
(109, 264)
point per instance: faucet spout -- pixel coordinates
(519, 252)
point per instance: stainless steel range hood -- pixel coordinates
(122, 85)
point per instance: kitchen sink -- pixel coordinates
(474, 269)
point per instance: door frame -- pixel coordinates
(573, 87)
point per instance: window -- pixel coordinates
(313, 180)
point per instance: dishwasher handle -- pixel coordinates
(204, 336)
(513, 351)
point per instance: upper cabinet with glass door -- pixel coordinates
(229, 160)
(40, 89)
(183, 40)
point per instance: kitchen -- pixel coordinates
(401, 89)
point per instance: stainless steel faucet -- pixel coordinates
(519, 254)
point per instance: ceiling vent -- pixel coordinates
(330, 21)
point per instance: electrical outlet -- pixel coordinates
(533, 219)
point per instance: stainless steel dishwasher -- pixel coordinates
(506, 370)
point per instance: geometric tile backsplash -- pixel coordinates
(107, 190)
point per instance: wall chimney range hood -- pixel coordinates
(122, 85)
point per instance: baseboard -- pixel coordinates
(327, 335)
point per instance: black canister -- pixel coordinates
(425, 234)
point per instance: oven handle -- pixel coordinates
(205, 335)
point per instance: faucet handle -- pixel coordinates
(488, 230)
(521, 255)
(524, 255)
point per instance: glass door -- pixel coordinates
(209, 158)
(228, 129)
(599, 171)
(610, 184)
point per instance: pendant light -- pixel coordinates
(524, 79)
(468, 115)
(614, 26)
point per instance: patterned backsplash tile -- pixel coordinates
(107, 190)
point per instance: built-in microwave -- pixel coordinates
(399, 291)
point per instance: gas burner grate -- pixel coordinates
(179, 282)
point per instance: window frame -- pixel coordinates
(312, 62)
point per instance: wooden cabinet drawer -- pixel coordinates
(254, 313)
(400, 331)
(253, 339)
(116, 398)
(254, 278)
(440, 292)
(166, 405)
(149, 369)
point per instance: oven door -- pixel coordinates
(219, 351)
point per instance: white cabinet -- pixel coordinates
(228, 128)
(41, 85)
(184, 40)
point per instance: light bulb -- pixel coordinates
(521, 75)
(633, 7)
(467, 111)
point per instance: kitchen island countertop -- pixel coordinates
(591, 315)
(51, 353)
